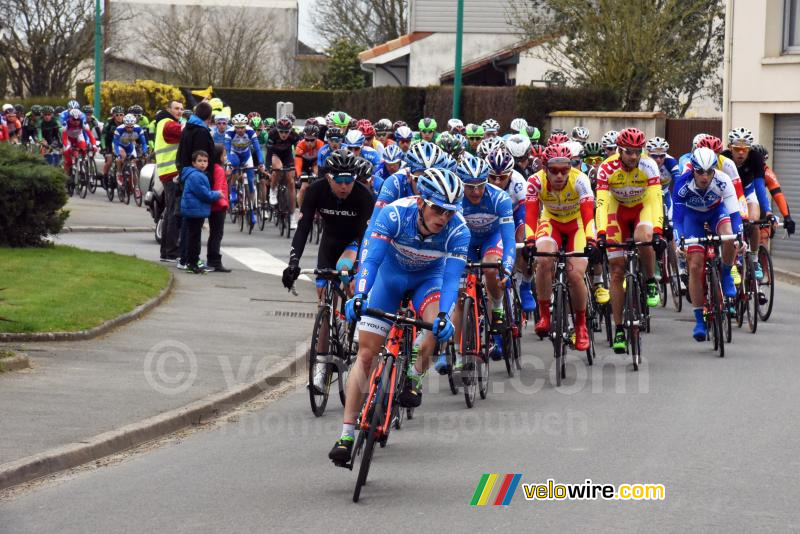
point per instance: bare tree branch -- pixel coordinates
(363, 22)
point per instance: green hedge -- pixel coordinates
(376, 103)
(31, 198)
(41, 100)
(307, 103)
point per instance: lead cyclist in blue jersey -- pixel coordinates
(705, 195)
(490, 219)
(239, 140)
(417, 246)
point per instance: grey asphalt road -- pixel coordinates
(719, 434)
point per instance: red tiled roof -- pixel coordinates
(394, 44)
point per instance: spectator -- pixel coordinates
(168, 135)
(197, 136)
(195, 207)
(216, 221)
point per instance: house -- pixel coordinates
(494, 52)
(761, 88)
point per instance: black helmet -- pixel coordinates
(333, 133)
(59, 109)
(47, 109)
(20, 109)
(136, 109)
(117, 110)
(87, 109)
(762, 150)
(363, 169)
(311, 130)
(36, 109)
(341, 161)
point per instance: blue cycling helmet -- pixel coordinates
(423, 155)
(393, 154)
(354, 139)
(473, 170)
(403, 133)
(73, 104)
(703, 159)
(444, 161)
(442, 187)
(500, 160)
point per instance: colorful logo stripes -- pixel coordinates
(495, 489)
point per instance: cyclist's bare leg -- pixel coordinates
(647, 256)
(695, 261)
(544, 269)
(493, 288)
(754, 210)
(577, 289)
(369, 344)
(121, 160)
(290, 187)
(107, 165)
(616, 272)
(428, 343)
(273, 179)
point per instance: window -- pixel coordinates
(791, 26)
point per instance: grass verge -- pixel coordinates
(66, 289)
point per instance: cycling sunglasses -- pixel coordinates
(558, 171)
(631, 151)
(658, 156)
(740, 149)
(703, 172)
(344, 178)
(475, 187)
(429, 130)
(593, 160)
(498, 177)
(438, 210)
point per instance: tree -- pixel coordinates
(654, 53)
(344, 68)
(226, 47)
(364, 22)
(44, 42)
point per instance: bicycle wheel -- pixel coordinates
(321, 347)
(450, 354)
(137, 191)
(633, 318)
(83, 179)
(72, 180)
(110, 181)
(507, 334)
(661, 264)
(752, 295)
(250, 215)
(673, 274)
(517, 326)
(766, 287)
(485, 343)
(558, 325)
(91, 172)
(241, 209)
(469, 351)
(372, 433)
(122, 189)
(261, 216)
(715, 301)
(348, 357)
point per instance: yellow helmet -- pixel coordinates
(216, 104)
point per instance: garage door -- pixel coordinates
(785, 161)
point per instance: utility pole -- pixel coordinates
(457, 69)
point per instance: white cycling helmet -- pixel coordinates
(609, 139)
(741, 136)
(518, 145)
(490, 125)
(517, 125)
(7, 107)
(77, 115)
(354, 139)
(657, 144)
(580, 134)
(575, 148)
(487, 145)
(455, 125)
(696, 139)
(239, 120)
(704, 159)
(128, 120)
(221, 117)
(403, 133)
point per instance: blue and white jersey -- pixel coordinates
(65, 115)
(373, 156)
(242, 143)
(688, 198)
(490, 214)
(322, 155)
(516, 191)
(219, 137)
(126, 138)
(409, 251)
(670, 170)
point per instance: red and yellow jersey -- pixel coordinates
(639, 186)
(575, 200)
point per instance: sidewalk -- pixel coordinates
(230, 327)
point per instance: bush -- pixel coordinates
(31, 198)
(407, 103)
(40, 100)
(152, 96)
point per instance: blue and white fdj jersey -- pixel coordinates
(394, 253)
(693, 207)
(516, 191)
(393, 188)
(126, 138)
(491, 222)
(242, 144)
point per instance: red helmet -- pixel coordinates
(398, 124)
(709, 141)
(537, 151)
(631, 138)
(253, 114)
(557, 139)
(366, 128)
(362, 123)
(557, 152)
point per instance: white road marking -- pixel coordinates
(258, 260)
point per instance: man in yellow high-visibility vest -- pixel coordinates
(168, 135)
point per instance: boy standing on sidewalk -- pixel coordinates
(196, 207)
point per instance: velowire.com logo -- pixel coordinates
(495, 489)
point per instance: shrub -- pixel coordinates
(152, 96)
(31, 198)
(307, 103)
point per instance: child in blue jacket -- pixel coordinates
(196, 207)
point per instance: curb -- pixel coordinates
(114, 441)
(99, 330)
(15, 363)
(787, 276)
(106, 229)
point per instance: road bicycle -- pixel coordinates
(331, 340)
(766, 285)
(129, 186)
(475, 333)
(283, 215)
(388, 378)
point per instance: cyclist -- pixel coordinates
(557, 138)
(490, 219)
(366, 128)
(450, 145)
(124, 143)
(31, 123)
(305, 158)
(750, 165)
(49, 133)
(684, 159)
(629, 205)
(403, 136)
(705, 195)
(774, 187)
(91, 121)
(490, 128)
(419, 246)
(333, 138)
(220, 127)
(72, 104)
(427, 130)
(240, 144)
(354, 141)
(107, 141)
(341, 120)
(520, 148)
(382, 129)
(580, 134)
(475, 135)
(280, 144)
(567, 212)
(658, 150)
(593, 156)
(532, 133)
(516, 127)
(75, 134)
(13, 124)
(537, 157)
(488, 145)
(393, 160)
(455, 126)
(609, 142)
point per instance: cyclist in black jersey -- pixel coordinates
(345, 207)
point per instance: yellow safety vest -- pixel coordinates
(166, 153)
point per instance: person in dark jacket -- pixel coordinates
(196, 207)
(197, 136)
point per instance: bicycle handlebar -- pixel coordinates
(709, 239)
(398, 319)
(488, 265)
(628, 244)
(330, 272)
